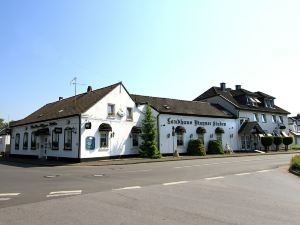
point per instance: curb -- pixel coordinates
(138, 160)
(295, 172)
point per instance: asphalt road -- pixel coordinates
(244, 190)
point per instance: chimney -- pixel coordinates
(89, 89)
(238, 87)
(60, 98)
(223, 86)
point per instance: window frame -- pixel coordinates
(219, 137)
(201, 137)
(106, 140)
(263, 118)
(274, 120)
(129, 116)
(255, 117)
(33, 141)
(25, 144)
(135, 139)
(66, 148)
(17, 144)
(57, 135)
(280, 119)
(113, 113)
(180, 142)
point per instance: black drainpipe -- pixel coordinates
(79, 136)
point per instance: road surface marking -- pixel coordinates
(242, 174)
(4, 199)
(98, 175)
(213, 178)
(8, 194)
(136, 171)
(63, 193)
(263, 171)
(174, 183)
(127, 188)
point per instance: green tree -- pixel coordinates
(148, 147)
(277, 142)
(2, 123)
(266, 141)
(287, 141)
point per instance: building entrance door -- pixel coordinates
(43, 147)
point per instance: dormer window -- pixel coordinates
(269, 103)
(252, 101)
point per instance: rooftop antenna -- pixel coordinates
(75, 83)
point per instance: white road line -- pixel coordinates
(174, 183)
(213, 178)
(65, 192)
(242, 174)
(98, 175)
(8, 194)
(127, 188)
(136, 171)
(4, 199)
(263, 171)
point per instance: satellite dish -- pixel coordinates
(121, 113)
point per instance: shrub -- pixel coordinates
(277, 142)
(295, 147)
(196, 147)
(295, 163)
(266, 141)
(287, 141)
(215, 147)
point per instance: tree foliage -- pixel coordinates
(196, 147)
(215, 147)
(148, 147)
(267, 141)
(287, 141)
(277, 142)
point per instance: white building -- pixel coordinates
(294, 128)
(106, 123)
(256, 113)
(4, 140)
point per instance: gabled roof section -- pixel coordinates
(251, 127)
(235, 97)
(67, 107)
(182, 107)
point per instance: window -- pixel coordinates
(280, 119)
(17, 142)
(68, 139)
(180, 139)
(55, 140)
(33, 141)
(263, 118)
(129, 114)
(25, 141)
(135, 139)
(243, 142)
(219, 137)
(273, 118)
(90, 143)
(201, 137)
(241, 122)
(104, 140)
(111, 110)
(255, 117)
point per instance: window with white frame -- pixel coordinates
(280, 119)
(55, 140)
(104, 140)
(17, 141)
(180, 139)
(263, 118)
(33, 141)
(201, 137)
(273, 119)
(255, 117)
(68, 139)
(129, 115)
(111, 110)
(243, 142)
(219, 137)
(25, 141)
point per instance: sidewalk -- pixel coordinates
(124, 161)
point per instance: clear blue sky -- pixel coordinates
(174, 49)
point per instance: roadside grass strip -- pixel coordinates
(127, 188)
(64, 193)
(6, 196)
(174, 183)
(213, 178)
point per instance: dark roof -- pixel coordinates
(182, 107)
(234, 96)
(66, 107)
(247, 128)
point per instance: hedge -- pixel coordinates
(295, 163)
(287, 141)
(277, 141)
(196, 147)
(266, 141)
(215, 147)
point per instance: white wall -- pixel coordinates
(120, 142)
(166, 138)
(4, 140)
(61, 123)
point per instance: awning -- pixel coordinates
(200, 130)
(251, 128)
(269, 135)
(43, 131)
(219, 130)
(105, 127)
(180, 130)
(136, 130)
(283, 134)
